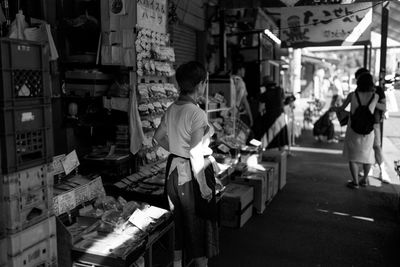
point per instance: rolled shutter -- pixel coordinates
(184, 42)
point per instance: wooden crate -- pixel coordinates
(236, 205)
(259, 182)
(279, 157)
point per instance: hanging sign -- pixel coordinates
(285, 3)
(117, 7)
(152, 14)
(326, 25)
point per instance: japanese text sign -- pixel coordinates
(152, 14)
(326, 25)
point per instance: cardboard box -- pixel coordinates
(236, 205)
(279, 157)
(275, 176)
(259, 181)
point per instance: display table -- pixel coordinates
(156, 247)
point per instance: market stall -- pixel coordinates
(94, 184)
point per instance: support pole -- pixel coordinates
(366, 56)
(222, 41)
(384, 34)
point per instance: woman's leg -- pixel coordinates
(330, 131)
(366, 168)
(201, 262)
(178, 258)
(354, 171)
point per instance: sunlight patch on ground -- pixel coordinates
(347, 215)
(317, 150)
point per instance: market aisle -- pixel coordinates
(317, 221)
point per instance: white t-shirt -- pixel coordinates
(181, 121)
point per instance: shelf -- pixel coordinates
(218, 109)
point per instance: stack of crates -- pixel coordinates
(27, 227)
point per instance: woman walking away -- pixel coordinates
(358, 143)
(182, 131)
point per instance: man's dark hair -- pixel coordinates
(360, 71)
(236, 67)
(190, 74)
(365, 82)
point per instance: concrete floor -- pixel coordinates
(316, 220)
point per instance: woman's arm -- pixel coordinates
(161, 137)
(346, 102)
(197, 161)
(381, 105)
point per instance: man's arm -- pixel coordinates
(197, 161)
(161, 137)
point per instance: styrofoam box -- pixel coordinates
(275, 176)
(281, 158)
(41, 254)
(34, 246)
(236, 205)
(26, 180)
(259, 181)
(25, 198)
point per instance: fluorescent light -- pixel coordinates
(272, 36)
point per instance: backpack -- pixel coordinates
(362, 120)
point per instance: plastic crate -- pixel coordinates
(21, 87)
(26, 137)
(24, 72)
(3, 252)
(23, 54)
(35, 246)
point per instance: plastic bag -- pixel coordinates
(18, 26)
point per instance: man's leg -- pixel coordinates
(378, 153)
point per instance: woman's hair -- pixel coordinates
(189, 75)
(365, 82)
(360, 71)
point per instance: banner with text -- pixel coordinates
(152, 15)
(326, 25)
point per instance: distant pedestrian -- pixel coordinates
(324, 130)
(358, 148)
(242, 104)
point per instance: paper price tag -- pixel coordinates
(57, 164)
(140, 219)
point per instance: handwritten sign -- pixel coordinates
(326, 25)
(152, 14)
(70, 162)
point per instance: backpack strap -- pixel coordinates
(358, 98)
(372, 98)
